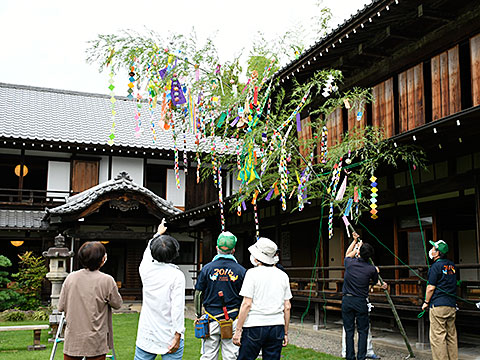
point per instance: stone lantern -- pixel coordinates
(58, 256)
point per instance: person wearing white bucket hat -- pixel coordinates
(265, 311)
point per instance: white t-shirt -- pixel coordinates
(163, 304)
(268, 287)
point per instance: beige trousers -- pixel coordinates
(443, 334)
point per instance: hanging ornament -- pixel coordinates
(324, 145)
(131, 80)
(111, 137)
(220, 197)
(255, 214)
(373, 197)
(185, 154)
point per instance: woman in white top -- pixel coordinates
(265, 311)
(161, 325)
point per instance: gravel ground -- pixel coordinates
(387, 344)
(330, 342)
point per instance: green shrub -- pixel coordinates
(42, 314)
(32, 271)
(13, 315)
(10, 299)
(4, 262)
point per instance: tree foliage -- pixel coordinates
(257, 116)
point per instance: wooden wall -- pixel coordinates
(335, 127)
(411, 98)
(304, 136)
(198, 194)
(84, 175)
(446, 93)
(475, 68)
(383, 107)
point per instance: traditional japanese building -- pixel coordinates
(60, 176)
(421, 61)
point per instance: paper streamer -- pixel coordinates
(220, 197)
(341, 191)
(347, 223)
(299, 123)
(348, 208)
(111, 137)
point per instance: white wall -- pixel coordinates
(176, 196)
(133, 166)
(103, 169)
(58, 178)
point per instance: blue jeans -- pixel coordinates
(355, 308)
(267, 338)
(143, 355)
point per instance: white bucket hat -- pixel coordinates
(264, 250)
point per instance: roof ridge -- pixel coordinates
(60, 91)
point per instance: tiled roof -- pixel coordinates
(122, 182)
(80, 118)
(21, 219)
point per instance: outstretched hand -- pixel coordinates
(162, 228)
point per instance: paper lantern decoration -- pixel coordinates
(18, 168)
(17, 243)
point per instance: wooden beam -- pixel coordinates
(435, 15)
(400, 36)
(424, 48)
(372, 53)
(112, 235)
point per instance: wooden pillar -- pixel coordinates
(395, 250)
(477, 214)
(20, 177)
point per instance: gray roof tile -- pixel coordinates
(21, 219)
(123, 183)
(81, 118)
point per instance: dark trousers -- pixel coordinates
(267, 338)
(355, 308)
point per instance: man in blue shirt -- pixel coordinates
(224, 274)
(440, 297)
(359, 273)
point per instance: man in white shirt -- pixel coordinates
(162, 323)
(265, 311)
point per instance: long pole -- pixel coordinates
(389, 299)
(394, 311)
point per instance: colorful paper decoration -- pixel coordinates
(185, 160)
(111, 137)
(220, 197)
(295, 112)
(373, 198)
(255, 214)
(324, 145)
(131, 84)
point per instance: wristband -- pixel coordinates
(426, 302)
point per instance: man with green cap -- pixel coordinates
(440, 298)
(223, 274)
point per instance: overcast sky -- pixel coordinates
(43, 42)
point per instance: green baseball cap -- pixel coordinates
(226, 241)
(440, 245)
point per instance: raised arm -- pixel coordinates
(351, 251)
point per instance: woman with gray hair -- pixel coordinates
(265, 311)
(161, 325)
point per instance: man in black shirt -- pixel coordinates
(356, 283)
(440, 297)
